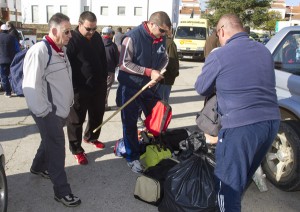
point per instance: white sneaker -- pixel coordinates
(135, 166)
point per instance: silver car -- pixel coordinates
(3, 182)
(282, 163)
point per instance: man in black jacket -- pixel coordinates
(86, 53)
(7, 52)
(112, 58)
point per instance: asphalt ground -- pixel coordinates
(106, 183)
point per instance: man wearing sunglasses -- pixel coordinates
(143, 56)
(47, 86)
(87, 56)
(242, 73)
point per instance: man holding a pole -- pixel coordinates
(143, 56)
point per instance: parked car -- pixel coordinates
(3, 183)
(254, 36)
(282, 162)
(264, 38)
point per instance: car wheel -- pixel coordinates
(3, 190)
(282, 162)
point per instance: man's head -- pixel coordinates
(107, 31)
(159, 24)
(119, 29)
(87, 24)
(4, 28)
(228, 25)
(60, 29)
(10, 25)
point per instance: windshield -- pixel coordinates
(189, 32)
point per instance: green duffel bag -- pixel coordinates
(153, 155)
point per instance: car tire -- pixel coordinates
(282, 162)
(3, 189)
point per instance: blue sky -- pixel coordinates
(292, 2)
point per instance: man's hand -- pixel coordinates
(156, 76)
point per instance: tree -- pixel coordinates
(251, 12)
(270, 24)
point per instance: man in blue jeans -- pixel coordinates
(143, 56)
(242, 73)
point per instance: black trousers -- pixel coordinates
(93, 103)
(51, 152)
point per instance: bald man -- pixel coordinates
(242, 72)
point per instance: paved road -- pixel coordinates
(106, 184)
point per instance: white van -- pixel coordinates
(190, 37)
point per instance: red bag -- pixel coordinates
(159, 118)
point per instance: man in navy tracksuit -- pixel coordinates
(242, 72)
(143, 56)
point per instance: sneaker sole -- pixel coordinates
(58, 200)
(94, 144)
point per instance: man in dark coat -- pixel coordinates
(87, 56)
(112, 58)
(7, 52)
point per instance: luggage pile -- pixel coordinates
(178, 173)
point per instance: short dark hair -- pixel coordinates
(57, 18)
(161, 18)
(119, 29)
(87, 15)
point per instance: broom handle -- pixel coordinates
(126, 103)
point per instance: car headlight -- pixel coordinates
(199, 49)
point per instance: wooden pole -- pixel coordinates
(126, 103)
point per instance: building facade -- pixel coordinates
(10, 10)
(108, 12)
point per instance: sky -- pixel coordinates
(292, 2)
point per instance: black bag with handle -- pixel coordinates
(208, 119)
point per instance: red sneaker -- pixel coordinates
(98, 144)
(81, 159)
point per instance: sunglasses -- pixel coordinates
(160, 29)
(90, 29)
(67, 32)
(217, 34)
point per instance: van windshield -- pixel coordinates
(189, 32)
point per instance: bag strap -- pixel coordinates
(49, 51)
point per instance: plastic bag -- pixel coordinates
(189, 186)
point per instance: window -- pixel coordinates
(104, 11)
(86, 8)
(64, 9)
(287, 54)
(35, 13)
(137, 11)
(50, 12)
(187, 32)
(121, 11)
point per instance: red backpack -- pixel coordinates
(159, 118)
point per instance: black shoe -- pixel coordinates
(70, 200)
(43, 174)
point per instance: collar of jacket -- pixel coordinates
(237, 35)
(155, 40)
(51, 42)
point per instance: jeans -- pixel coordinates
(4, 73)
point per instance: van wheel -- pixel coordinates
(3, 189)
(282, 162)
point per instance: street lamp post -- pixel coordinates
(16, 13)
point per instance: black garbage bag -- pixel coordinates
(189, 186)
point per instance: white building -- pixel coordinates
(10, 10)
(108, 12)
